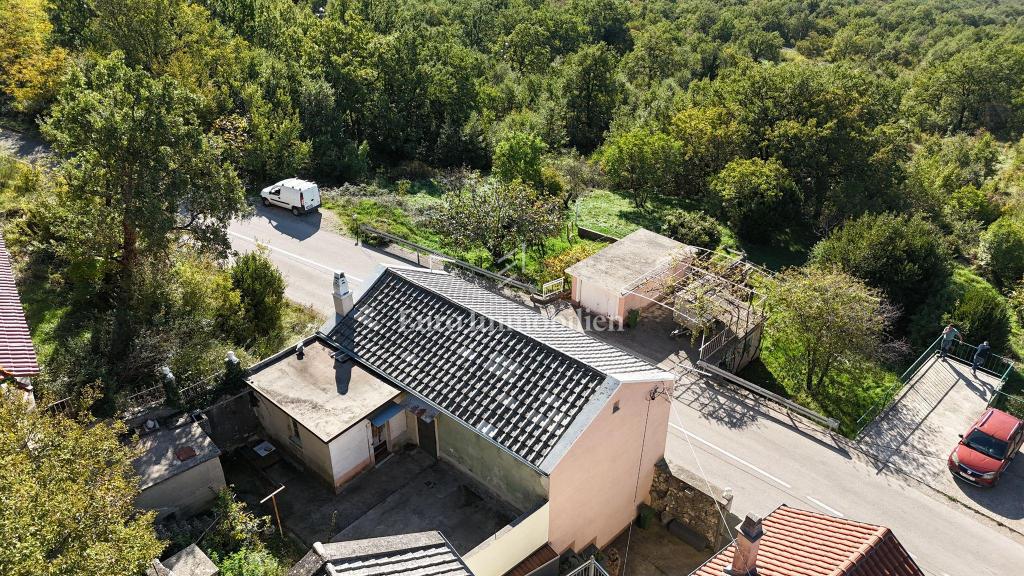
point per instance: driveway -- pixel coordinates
(916, 434)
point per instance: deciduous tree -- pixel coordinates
(497, 216)
(757, 196)
(68, 491)
(140, 175)
(824, 320)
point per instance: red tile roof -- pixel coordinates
(801, 543)
(17, 356)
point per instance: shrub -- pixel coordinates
(261, 288)
(758, 197)
(642, 162)
(695, 228)
(905, 257)
(256, 561)
(518, 156)
(1002, 250)
(554, 266)
(970, 303)
(1017, 301)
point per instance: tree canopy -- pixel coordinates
(68, 491)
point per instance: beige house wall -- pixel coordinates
(310, 450)
(188, 493)
(510, 479)
(592, 487)
(596, 298)
(510, 545)
(350, 453)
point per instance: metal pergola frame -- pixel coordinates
(727, 283)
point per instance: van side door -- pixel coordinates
(275, 196)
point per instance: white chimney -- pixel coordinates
(343, 299)
(748, 540)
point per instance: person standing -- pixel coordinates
(980, 356)
(949, 333)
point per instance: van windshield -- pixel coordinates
(987, 445)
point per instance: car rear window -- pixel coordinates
(992, 447)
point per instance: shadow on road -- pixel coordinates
(737, 409)
(1004, 498)
(299, 227)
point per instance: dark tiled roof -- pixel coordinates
(17, 356)
(449, 342)
(597, 354)
(420, 554)
(802, 543)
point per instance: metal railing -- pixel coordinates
(789, 405)
(589, 568)
(145, 397)
(994, 364)
(419, 248)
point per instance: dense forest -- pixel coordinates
(879, 139)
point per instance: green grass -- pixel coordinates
(846, 396)
(46, 310)
(614, 214)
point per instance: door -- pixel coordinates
(275, 197)
(379, 439)
(428, 436)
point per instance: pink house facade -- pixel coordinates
(560, 426)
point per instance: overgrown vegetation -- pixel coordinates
(69, 491)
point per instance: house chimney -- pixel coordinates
(343, 300)
(748, 540)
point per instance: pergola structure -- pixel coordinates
(715, 296)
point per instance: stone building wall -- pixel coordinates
(681, 496)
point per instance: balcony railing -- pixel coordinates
(588, 568)
(994, 365)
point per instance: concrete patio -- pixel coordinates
(408, 492)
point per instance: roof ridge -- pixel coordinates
(534, 315)
(503, 323)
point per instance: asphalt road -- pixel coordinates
(767, 459)
(307, 250)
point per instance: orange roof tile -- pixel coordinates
(802, 543)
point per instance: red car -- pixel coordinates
(987, 448)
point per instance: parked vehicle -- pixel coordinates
(299, 196)
(987, 448)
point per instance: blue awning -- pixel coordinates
(385, 414)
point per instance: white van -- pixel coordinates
(299, 196)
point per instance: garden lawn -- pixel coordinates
(614, 214)
(845, 397)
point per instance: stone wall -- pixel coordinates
(683, 501)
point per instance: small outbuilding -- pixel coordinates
(179, 470)
(419, 554)
(190, 561)
(601, 283)
(326, 412)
